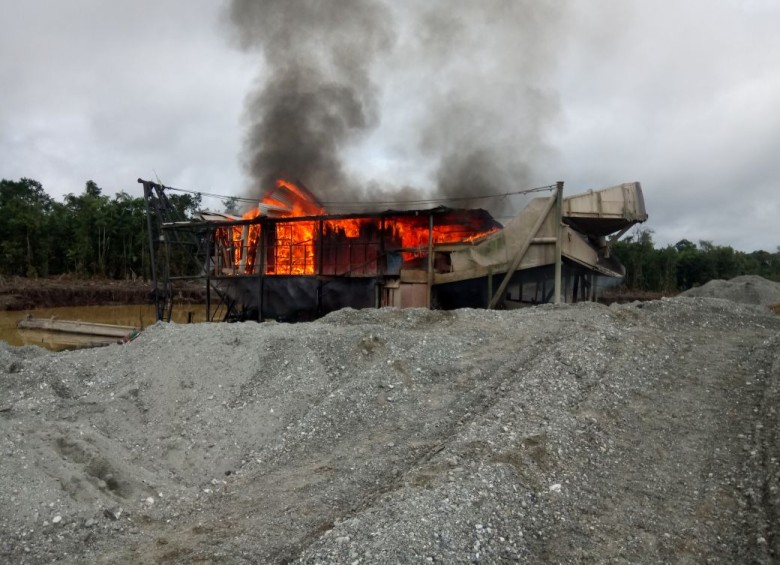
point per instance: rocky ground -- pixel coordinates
(635, 433)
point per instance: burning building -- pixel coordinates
(288, 259)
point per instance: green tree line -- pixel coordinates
(88, 234)
(685, 264)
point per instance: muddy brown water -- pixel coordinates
(138, 315)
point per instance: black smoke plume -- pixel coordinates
(470, 79)
(317, 93)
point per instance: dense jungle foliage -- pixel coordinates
(94, 235)
(87, 235)
(686, 264)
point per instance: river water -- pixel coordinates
(138, 315)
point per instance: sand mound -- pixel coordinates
(747, 289)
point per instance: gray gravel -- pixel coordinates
(747, 289)
(637, 433)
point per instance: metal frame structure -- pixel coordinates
(258, 269)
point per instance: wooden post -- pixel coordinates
(319, 264)
(381, 260)
(262, 244)
(209, 243)
(430, 259)
(243, 249)
(320, 246)
(558, 238)
(576, 289)
(152, 259)
(490, 284)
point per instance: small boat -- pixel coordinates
(78, 333)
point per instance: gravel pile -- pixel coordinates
(644, 432)
(747, 289)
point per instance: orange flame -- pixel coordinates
(290, 246)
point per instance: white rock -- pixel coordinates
(555, 488)
(113, 513)
(56, 520)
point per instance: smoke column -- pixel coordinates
(317, 94)
(467, 81)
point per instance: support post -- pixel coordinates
(490, 284)
(320, 249)
(558, 239)
(152, 258)
(430, 260)
(209, 243)
(243, 250)
(382, 260)
(262, 244)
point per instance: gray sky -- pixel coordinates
(679, 95)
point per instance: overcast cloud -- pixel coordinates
(489, 96)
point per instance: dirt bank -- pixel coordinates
(636, 433)
(17, 293)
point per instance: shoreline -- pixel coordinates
(18, 293)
